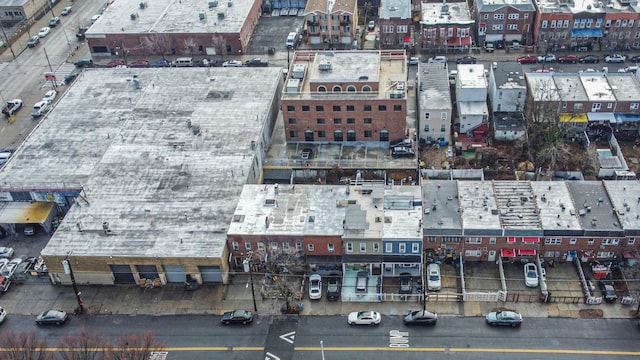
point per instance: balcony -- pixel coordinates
(313, 22)
(345, 22)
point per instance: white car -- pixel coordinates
(44, 31)
(50, 96)
(3, 265)
(547, 58)
(413, 61)
(438, 59)
(6, 252)
(66, 11)
(315, 287)
(615, 58)
(232, 63)
(531, 275)
(3, 315)
(95, 18)
(11, 267)
(434, 282)
(364, 318)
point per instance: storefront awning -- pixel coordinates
(600, 117)
(574, 118)
(526, 252)
(582, 33)
(407, 40)
(531, 240)
(25, 212)
(511, 239)
(508, 252)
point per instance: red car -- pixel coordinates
(569, 59)
(528, 59)
(116, 62)
(140, 64)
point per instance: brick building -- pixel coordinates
(351, 96)
(445, 27)
(332, 22)
(505, 20)
(395, 24)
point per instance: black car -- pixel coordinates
(402, 152)
(419, 317)
(237, 317)
(52, 317)
(500, 44)
(466, 60)
(406, 284)
(589, 59)
(83, 63)
(333, 287)
(608, 291)
(635, 59)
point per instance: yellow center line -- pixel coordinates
(478, 350)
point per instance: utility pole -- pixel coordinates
(53, 79)
(249, 262)
(66, 265)
(424, 281)
(6, 40)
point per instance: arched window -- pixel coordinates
(351, 135)
(384, 135)
(337, 88)
(337, 135)
(308, 135)
(322, 89)
(366, 88)
(351, 88)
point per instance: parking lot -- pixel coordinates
(272, 32)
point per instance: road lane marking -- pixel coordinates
(478, 350)
(270, 356)
(289, 337)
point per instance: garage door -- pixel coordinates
(210, 274)
(147, 271)
(122, 274)
(175, 273)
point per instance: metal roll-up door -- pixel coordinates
(210, 274)
(175, 273)
(147, 271)
(122, 274)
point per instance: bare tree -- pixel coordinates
(86, 345)
(220, 45)
(189, 46)
(135, 346)
(157, 43)
(24, 346)
(284, 270)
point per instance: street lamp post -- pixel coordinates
(322, 349)
(66, 265)
(249, 262)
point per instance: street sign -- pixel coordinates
(49, 76)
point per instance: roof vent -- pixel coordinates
(213, 4)
(143, 5)
(134, 16)
(220, 15)
(363, 78)
(202, 16)
(229, 3)
(324, 65)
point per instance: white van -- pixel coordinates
(434, 282)
(291, 40)
(183, 62)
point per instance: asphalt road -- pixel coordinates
(290, 337)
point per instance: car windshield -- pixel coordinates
(504, 315)
(365, 315)
(239, 314)
(434, 277)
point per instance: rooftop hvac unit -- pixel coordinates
(213, 4)
(202, 16)
(230, 4)
(134, 16)
(143, 5)
(220, 15)
(324, 65)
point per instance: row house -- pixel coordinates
(471, 97)
(445, 27)
(519, 219)
(505, 20)
(434, 103)
(596, 25)
(346, 96)
(332, 22)
(507, 92)
(395, 24)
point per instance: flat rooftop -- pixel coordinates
(172, 16)
(597, 87)
(471, 76)
(626, 201)
(441, 207)
(435, 91)
(593, 206)
(478, 205)
(403, 213)
(543, 86)
(451, 13)
(555, 205)
(625, 86)
(570, 87)
(159, 183)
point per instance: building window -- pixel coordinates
(514, 16)
(397, 107)
(274, 246)
(285, 246)
(552, 241)
(485, 16)
(292, 121)
(498, 16)
(512, 27)
(320, 121)
(363, 247)
(322, 89)
(247, 245)
(376, 247)
(261, 246)
(633, 106)
(604, 254)
(613, 242)
(492, 240)
(402, 248)
(415, 248)
(366, 88)
(351, 121)
(235, 245)
(609, 105)
(330, 247)
(319, 108)
(544, 24)
(308, 135)
(384, 135)
(337, 121)
(351, 108)
(382, 107)
(337, 89)
(322, 134)
(305, 107)
(443, 128)
(336, 108)
(351, 135)
(349, 247)
(590, 242)
(450, 239)
(310, 247)
(337, 135)
(472, 253)
(368, 134)
(351, 88)
(473, 240)
(299, 246)
(497, 27)
(367, 108)
(388, 247)
(291, 108)
(577, 106)
(368, 120)
(293, 134)
(573, 241)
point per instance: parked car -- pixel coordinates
(83, 63)
(69, 78)
(257, 62)
(315, 287)
(3, 264)
(589, 59)
(419, 317)
(142, 63)
(531, 275)
(438, 59)
(66, 11)
(453, 74)
(466, 60)
(115, 63)
(29, 230)
(608, 291)
(5, 283)
(50, 95)
(615, 58)
(568, 59)
(95, 18)
(161, 63)
(434, 283)
(402, 152)
(40, 108)
(237, 317)
(362, 280)
(333, 287)
(52, 317)
(3, 315)
(44, 32)
(406, 284)
(54, 21)
(547, 58)
(4, 157)
(413, 61)
(364, 318)
(489, 47)
(11, 267)
(232, 63)
(371, 25)
(80, 33)
(500, 44)
(33, 41)
(528, 59)
(504, 318)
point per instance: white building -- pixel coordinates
(434, 103)
(471, 96)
